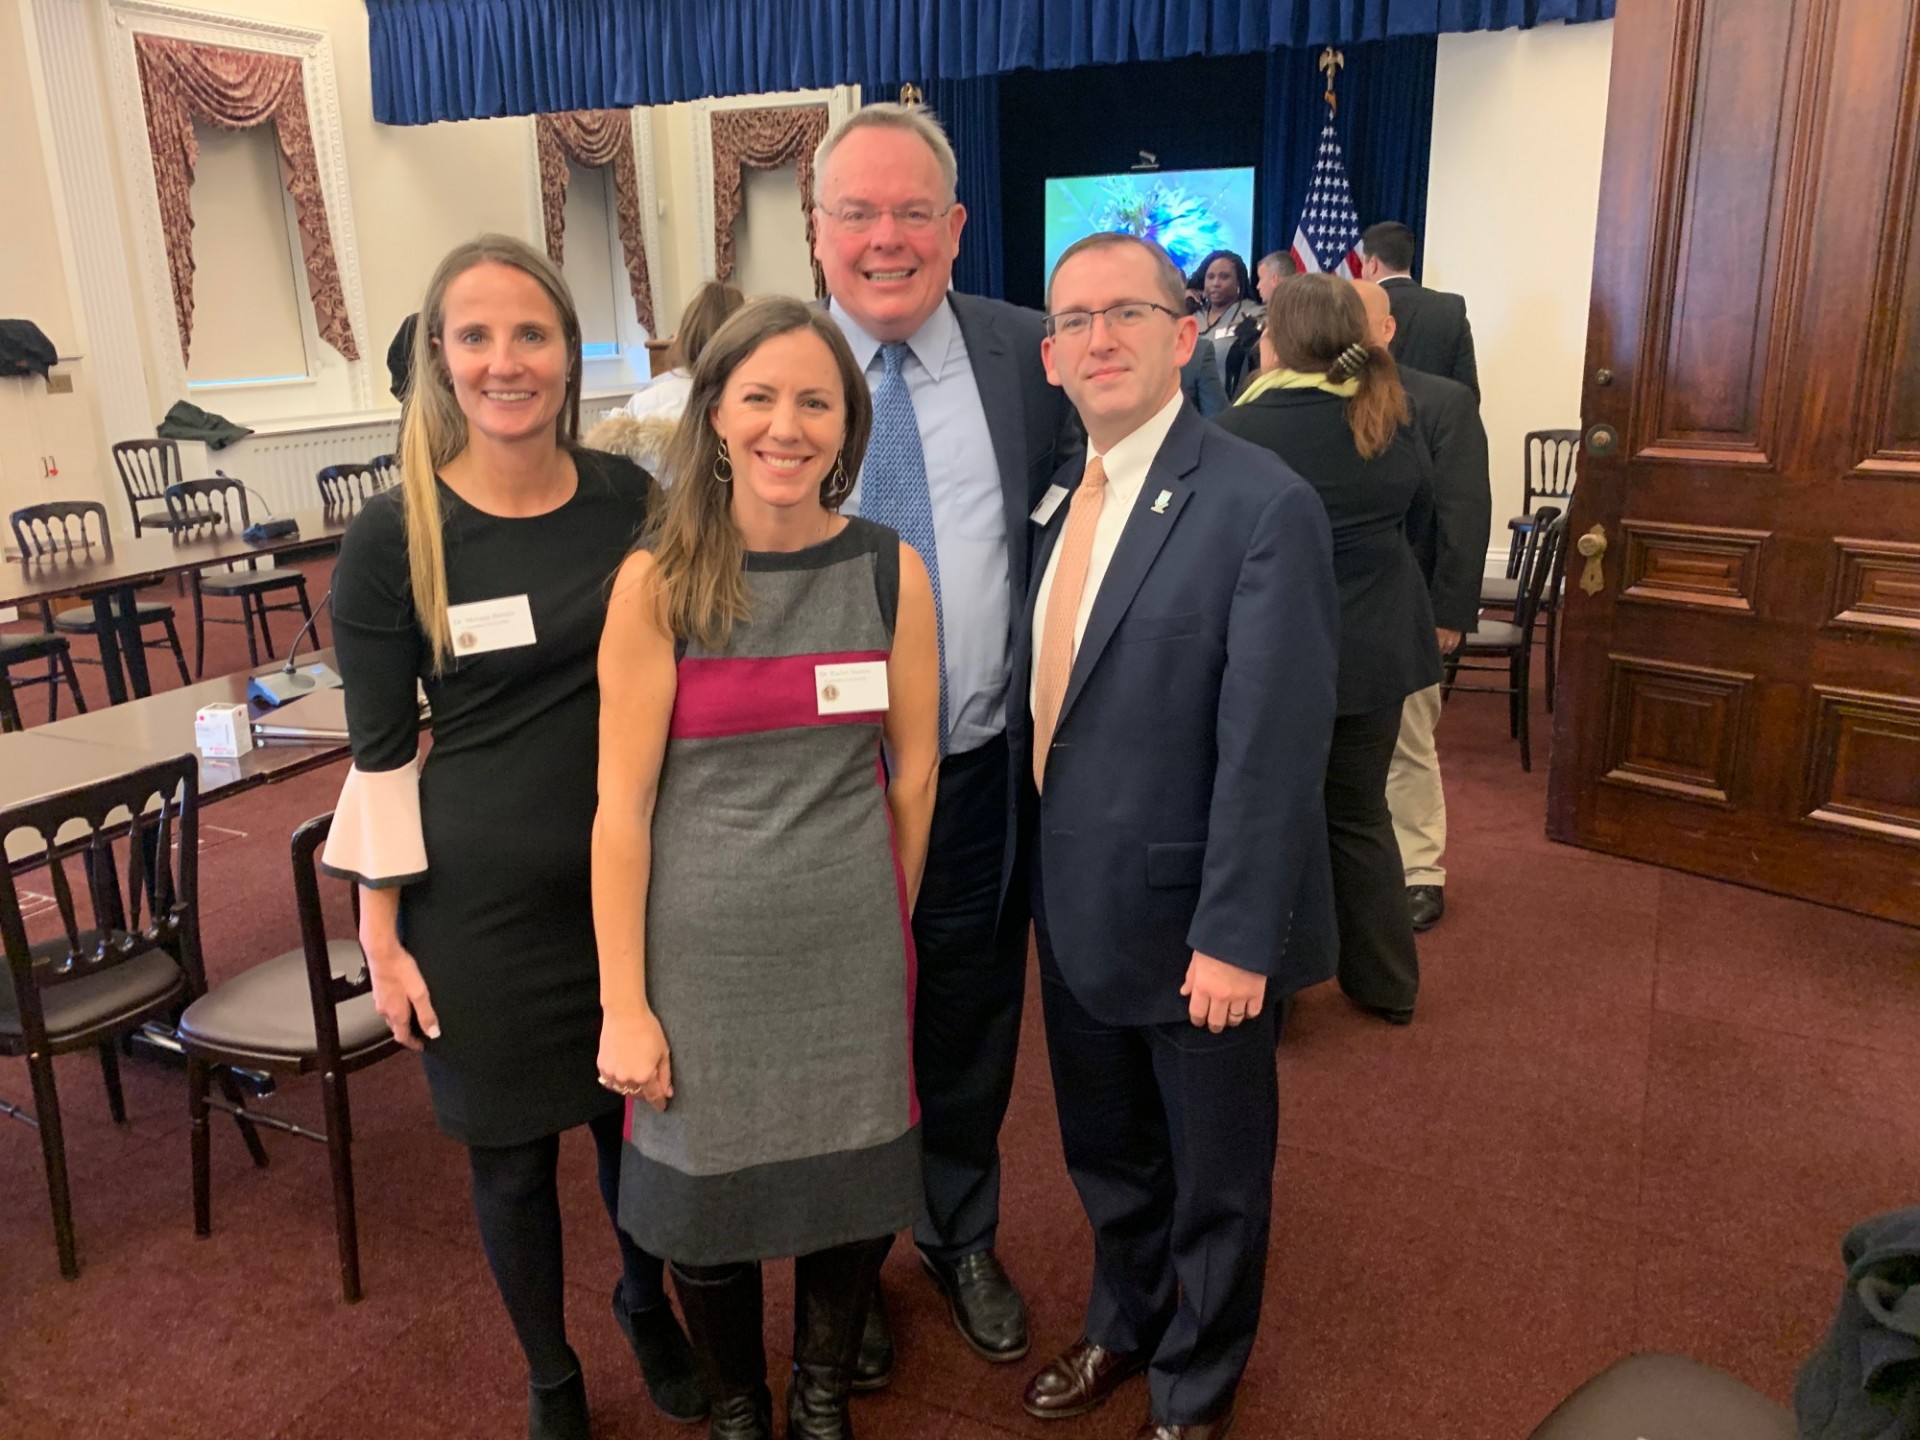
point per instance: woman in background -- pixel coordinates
(1330, 404)
(643, 430)
(483, 576)
(755, 865)
(1227, 302)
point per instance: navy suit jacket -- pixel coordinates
(1183, 804)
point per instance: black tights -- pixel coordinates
(516, 1199)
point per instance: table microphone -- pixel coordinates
(288, 683)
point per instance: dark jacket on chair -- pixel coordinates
(1450, 536)
(1387, 645)
(1431, 332)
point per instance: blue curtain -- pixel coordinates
(465, 59)
(970, 112)
(1384, 119)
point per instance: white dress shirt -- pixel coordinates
(1126, 464)
(666, 396)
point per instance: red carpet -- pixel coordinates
(1638, 1110)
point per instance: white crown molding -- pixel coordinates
(122, 21)
(841, 101)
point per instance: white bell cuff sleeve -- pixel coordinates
(376, 838)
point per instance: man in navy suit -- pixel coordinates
(1177, 664)
(966, 432)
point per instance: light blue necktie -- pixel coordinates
(893, 486)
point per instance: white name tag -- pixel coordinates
(1049, 503)
(484, 625)
(851, 689)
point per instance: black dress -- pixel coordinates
(501, 923)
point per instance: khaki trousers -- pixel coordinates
(1414, 795)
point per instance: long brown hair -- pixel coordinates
(433, 430)
(699, 560)
(1318, 325)
(712, 304)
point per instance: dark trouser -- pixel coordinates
(1170, 1133)
(1378, 962)
(516, 1199)
(966, 1017)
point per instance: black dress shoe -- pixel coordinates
(1427, 904)
(1081, 1378)
(1392, 1014)
(989, 1312)
(558, 1411)
(874, 1366)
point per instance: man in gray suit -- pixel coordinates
(966, 434)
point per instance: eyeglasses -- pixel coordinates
(1078, 324)
(858, 219)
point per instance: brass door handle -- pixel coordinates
(1593, 545)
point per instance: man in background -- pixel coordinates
(965, 437)
(1450, 541)
(1431, 330)
(1243, 356)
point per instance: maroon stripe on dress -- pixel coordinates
(729, 695)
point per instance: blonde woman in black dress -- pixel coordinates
(484, 577)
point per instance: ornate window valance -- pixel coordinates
(235, 89)
(763, 139)
(595, 138)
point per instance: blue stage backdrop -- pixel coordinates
(466, 59)
(970, 111)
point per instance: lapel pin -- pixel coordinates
(1161, 501)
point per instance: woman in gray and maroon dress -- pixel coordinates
(755, 861)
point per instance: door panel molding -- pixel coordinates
(1876, 586)
(1701, 566)
(1887, 421)
(1865, 771)
(1676, 730)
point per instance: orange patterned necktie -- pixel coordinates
(1055, 664)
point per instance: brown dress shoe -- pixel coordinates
(1207, 1430)
(1080, 1379)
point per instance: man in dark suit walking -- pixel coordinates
(1450, 541)
(1181, 643)
(1431, 329)
(965, 432)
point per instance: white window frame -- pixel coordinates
(333, 384)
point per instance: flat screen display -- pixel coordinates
(1188, 213)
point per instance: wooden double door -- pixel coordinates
(1741, 671)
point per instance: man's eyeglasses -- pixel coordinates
(1078, 324)
(858, 219)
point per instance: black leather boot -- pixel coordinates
(666, 1360)
(831, 1292)
(722, 1306)
(559, 1411)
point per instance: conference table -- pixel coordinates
(109, 573)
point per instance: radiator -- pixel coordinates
(280, 468)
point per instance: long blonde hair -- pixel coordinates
(433, 430)
(1318, 325)
(699, 560)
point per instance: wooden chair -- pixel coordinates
(308, 1010)
(56, 528)
(221, 504)
(147, 468)
(111, 970)
(25, 649)
(1508, 645)
(1551, 463)
(345, 486)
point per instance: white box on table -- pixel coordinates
(223, 732)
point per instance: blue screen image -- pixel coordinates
(1186, 212)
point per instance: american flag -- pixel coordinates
(1329, 228)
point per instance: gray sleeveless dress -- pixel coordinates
(779, 958)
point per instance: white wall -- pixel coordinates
(1519, 120)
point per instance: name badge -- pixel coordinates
(1049, 503)
(853, 689)
(484, 625)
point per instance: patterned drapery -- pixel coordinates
(762, 140)
(236, 90)
(595, 138)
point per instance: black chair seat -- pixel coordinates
(80, 1005)
(1492, 635)
(18, 649)
(1520, 522)
(79, 619)
(248, 582)
(268, 1010)
(1503, 590)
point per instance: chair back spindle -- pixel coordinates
(1551, 462)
